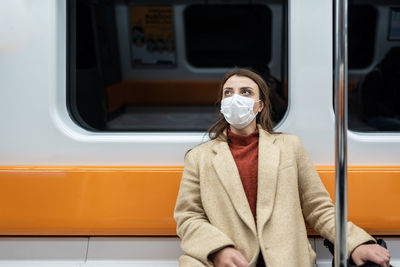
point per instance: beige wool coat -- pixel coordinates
(212, 210)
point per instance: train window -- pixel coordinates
(374, 66)
(150, 65)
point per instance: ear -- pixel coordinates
(261, 106)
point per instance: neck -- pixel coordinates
(247, 130)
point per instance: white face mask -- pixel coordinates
(238, 110)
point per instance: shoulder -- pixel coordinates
(285, 139)
(201, 149)
(289, 143)
(199, 156)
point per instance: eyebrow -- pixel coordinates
(244, 87)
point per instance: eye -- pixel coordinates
(246, 92)
(227, 93)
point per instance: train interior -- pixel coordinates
(155, 66)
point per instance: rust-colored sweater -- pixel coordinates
(244, 149)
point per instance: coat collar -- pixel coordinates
(268, 162)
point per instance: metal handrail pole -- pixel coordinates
(340, 84)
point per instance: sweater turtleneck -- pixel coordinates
(244, 149)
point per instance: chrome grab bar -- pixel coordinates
(340, 84)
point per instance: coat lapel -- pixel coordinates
(228, 174)
(268, 162)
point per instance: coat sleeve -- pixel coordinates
(317, 206)
(199, 238)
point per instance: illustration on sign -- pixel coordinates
(152, 35)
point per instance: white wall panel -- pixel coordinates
(138, 248)
(71, 249)
(121, 251)
(44, 263)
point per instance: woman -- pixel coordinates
(244, 194)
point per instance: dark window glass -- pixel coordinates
(374, 68)
(362, 21)
(228, 35)
(394, 30)
(127, 60)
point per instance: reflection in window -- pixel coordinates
(145, 66)
(378, 94)
(394, 30)
(152, 35)
(362, 21)
(374, 82)
(242, 36)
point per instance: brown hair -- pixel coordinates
(216, 131)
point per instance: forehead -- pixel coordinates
(240, 81)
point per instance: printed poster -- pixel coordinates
(152, 35)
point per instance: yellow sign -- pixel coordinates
(152, 35)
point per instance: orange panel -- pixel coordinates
(88, 201)
(76, 200)
(161, 93)
(373, 197)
